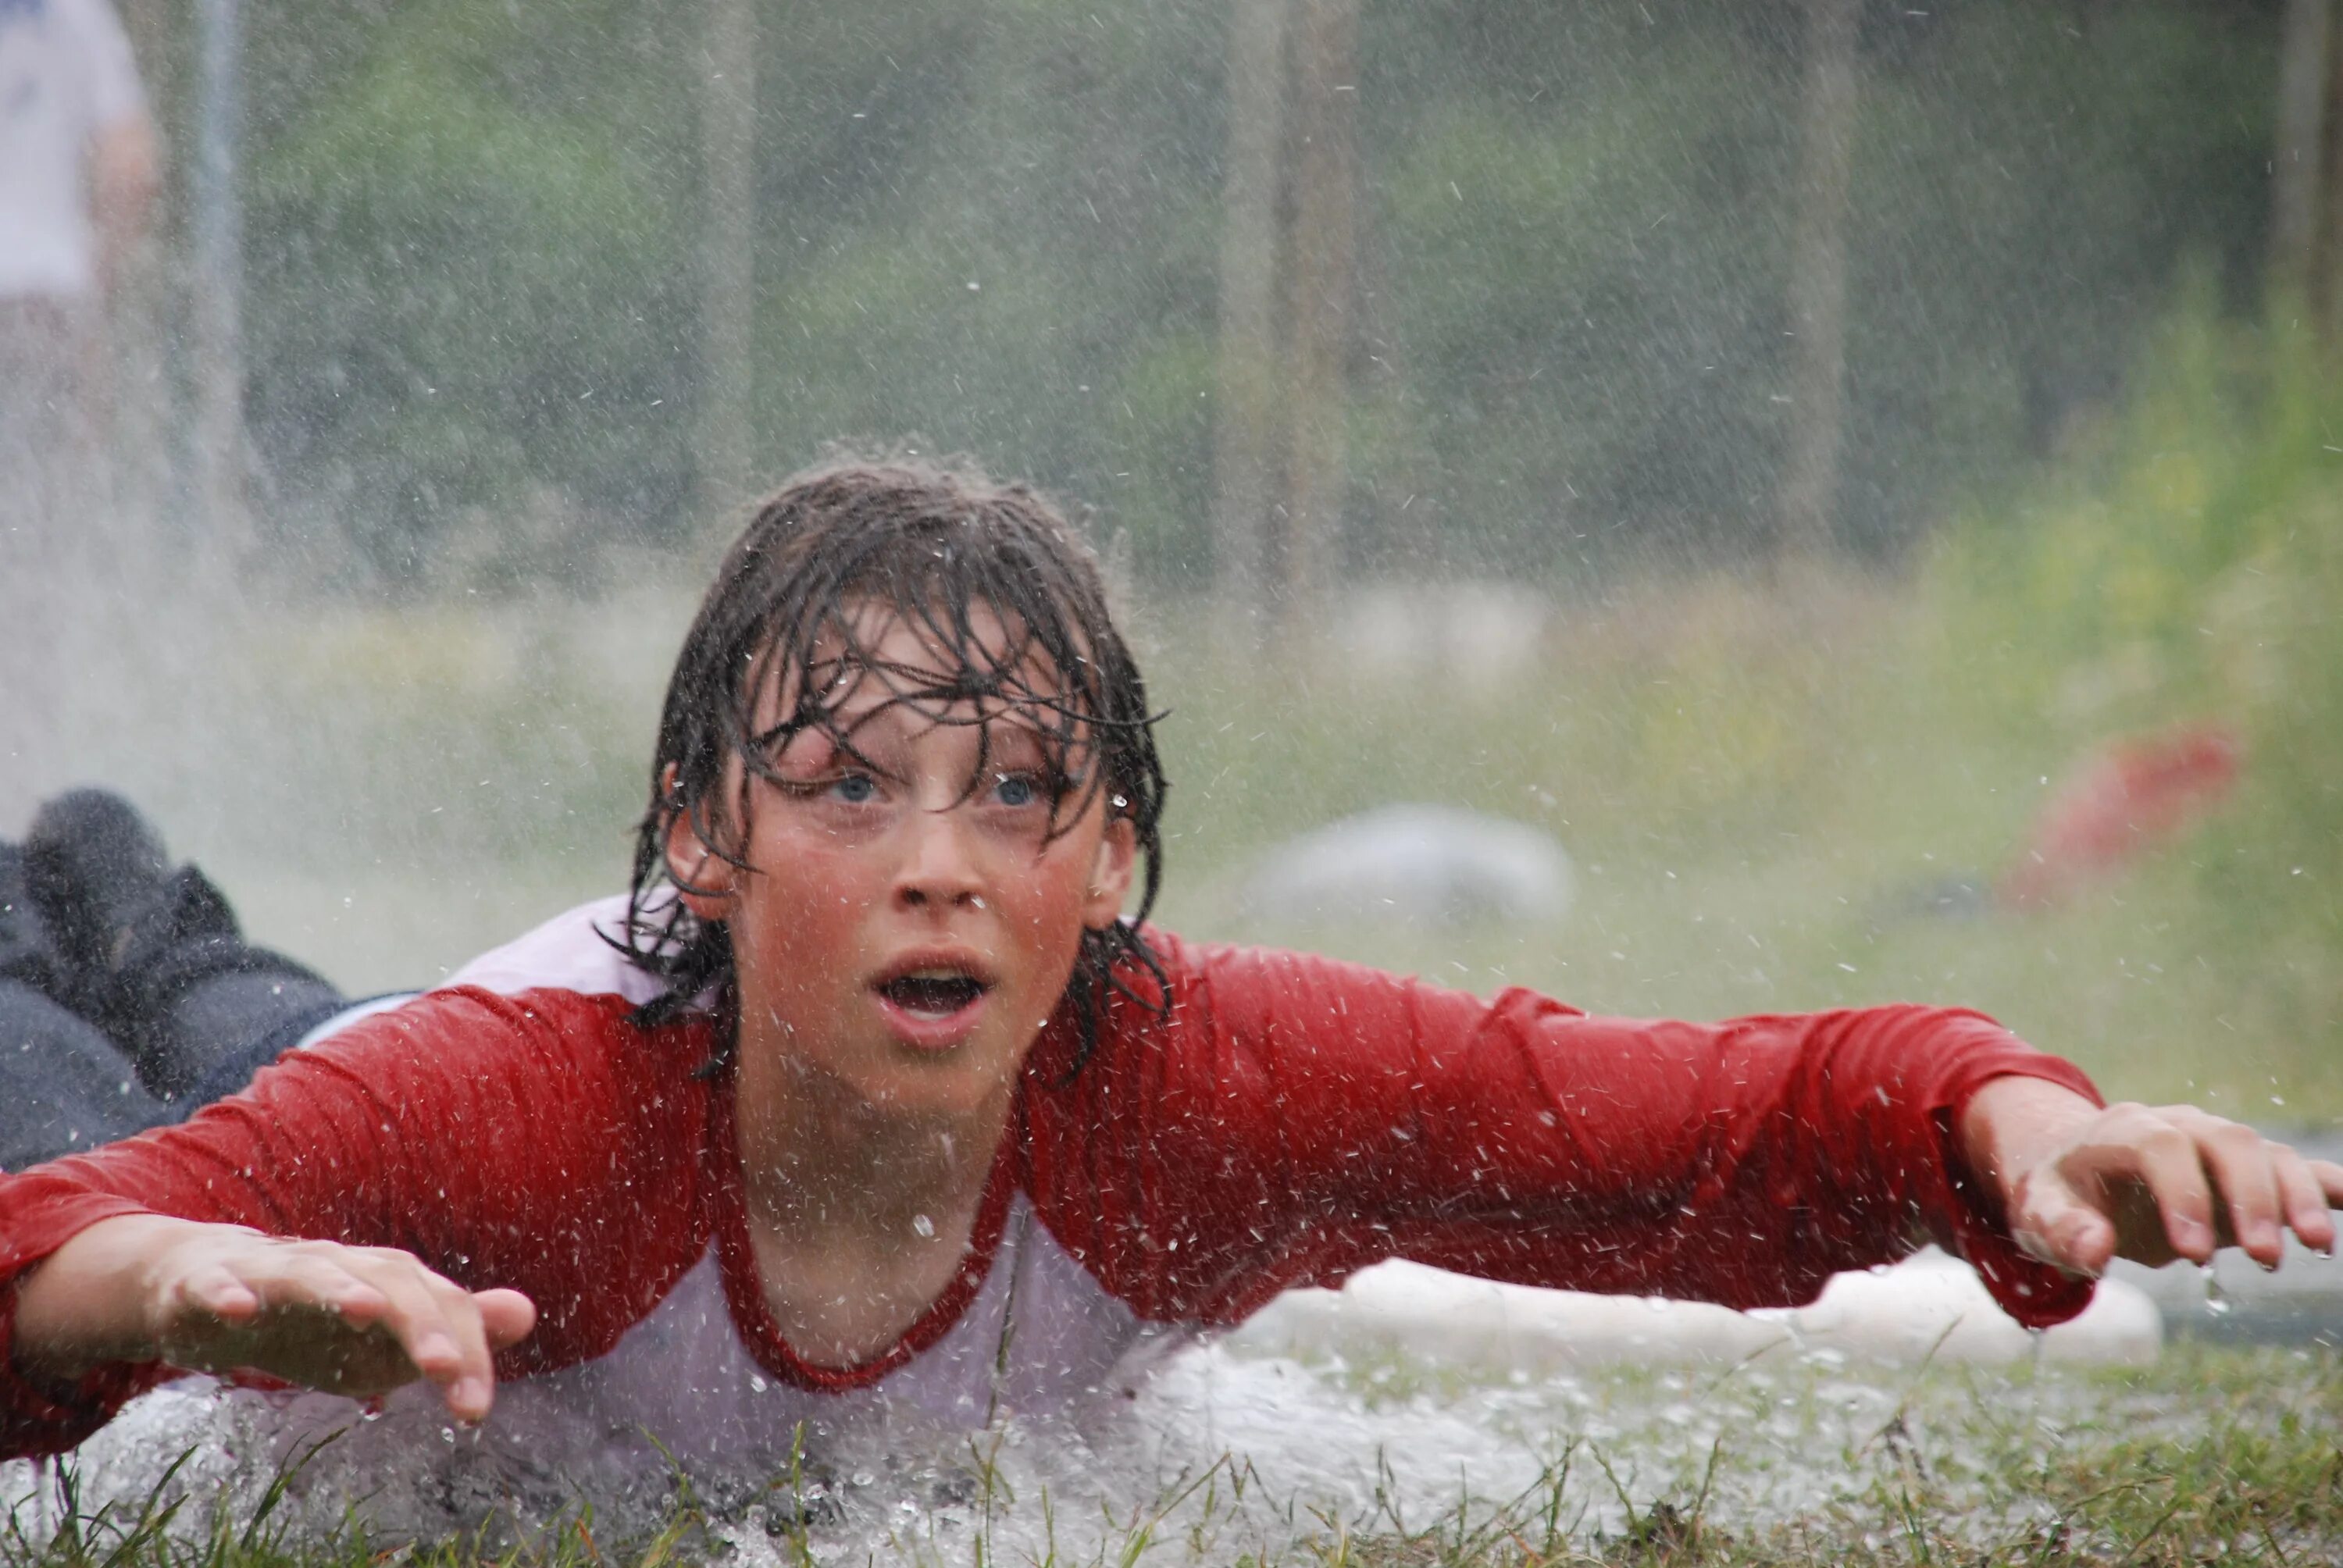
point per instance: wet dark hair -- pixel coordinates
(926, 542)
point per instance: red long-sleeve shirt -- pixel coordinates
(1291, 1121)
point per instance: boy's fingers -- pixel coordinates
(434, 1322)
(2329, 1177)
(2240, 1162)
(2138, 1146)
(2059, 1228)
(2304, 1198)
(360, 1320)
(485, 1322)
(425, 1325)
(297, 1275)
(508, 1316)
(241, 1293)
(217, 1290)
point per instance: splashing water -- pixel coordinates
(1222, 1454)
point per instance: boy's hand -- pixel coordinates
(358, 1321)
(2081, 1186)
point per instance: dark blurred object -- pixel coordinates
(93, 864)
(28, 949)
(154, 957)
(129, 996)
(2133, 794)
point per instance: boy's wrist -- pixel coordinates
(2012, 1123)
(85, 1305)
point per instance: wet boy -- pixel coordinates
(868, 1091)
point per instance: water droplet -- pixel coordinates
(924, 1226)
(2215, 1303)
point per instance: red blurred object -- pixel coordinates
(2132, 795)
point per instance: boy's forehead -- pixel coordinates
(875, 656)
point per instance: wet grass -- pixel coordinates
(2212, 1455)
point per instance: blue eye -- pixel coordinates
(1015, 790)
(854, 788)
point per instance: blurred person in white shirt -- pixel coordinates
(77, 176)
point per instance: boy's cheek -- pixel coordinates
(808, 881)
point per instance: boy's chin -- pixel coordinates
(922, 1084)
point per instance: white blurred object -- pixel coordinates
(1415, 865)
(1895, 1314)
(1481, 633)
(65, 80)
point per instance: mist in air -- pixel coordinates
(1730, 509)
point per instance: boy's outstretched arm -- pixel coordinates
(464, 1142)
(1295, 1118)
(2080, 1186)
(358, 1320)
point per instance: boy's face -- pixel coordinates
(917, 883)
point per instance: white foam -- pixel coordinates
(1930, 1303)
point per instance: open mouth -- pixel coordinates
(932, 993)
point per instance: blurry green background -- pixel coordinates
(2086, 479)
(477, 238)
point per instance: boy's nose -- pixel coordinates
(939, 865)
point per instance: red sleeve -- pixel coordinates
(539, 1141)
(1297, 1118)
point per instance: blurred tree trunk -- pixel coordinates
(2302, 87)
(1290, 192)
(1246, 418)
(728, 125)
(1324, 254)
(1326, 175)
(2325, 282)
(216, 284)
(141, 418)
(1818, 282)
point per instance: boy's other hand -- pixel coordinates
(2080, 1186)
(357, 1320)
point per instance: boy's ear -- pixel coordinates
(1110, 873)
(703, 879)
